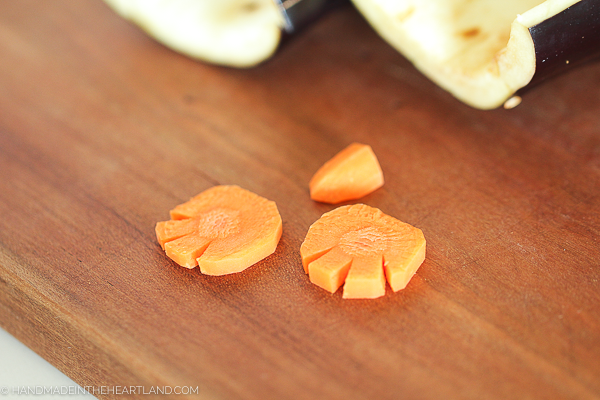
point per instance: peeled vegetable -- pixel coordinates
(484, 51)
(237, 33)
(234, 33)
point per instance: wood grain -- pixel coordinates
(102, 131)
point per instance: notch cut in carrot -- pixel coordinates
(223, 230)
(360, 247)
(351, 174)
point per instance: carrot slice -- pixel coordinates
(361, 246)
(223, 230)
(351, 174)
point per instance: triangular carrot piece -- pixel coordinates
(361, 246)
(224, 229)
(351, 174)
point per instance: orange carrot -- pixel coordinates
(223, 230)
(360, 246)
(351, 174)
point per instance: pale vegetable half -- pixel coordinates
(237, 33)
(481, 51)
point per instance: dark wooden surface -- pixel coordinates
(102, 131)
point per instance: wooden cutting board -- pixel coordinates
(103, 130)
